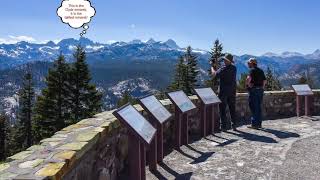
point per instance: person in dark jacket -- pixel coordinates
(227, 90)
(256, 82)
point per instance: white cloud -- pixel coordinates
(111, 41)
(132, 26)
(14, 39)
(22, 38)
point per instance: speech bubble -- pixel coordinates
(76, 13)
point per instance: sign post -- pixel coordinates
(158, 116)
(140, 134)
(208, 107)
(183, 105)
(305, 91)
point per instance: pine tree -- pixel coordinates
(192, 71)
(126, 98)
(3, 137)
(273, 83)
(84, 97)
(51, 107)
(241, 86)
(306, 79)
(7, 146)
(179, 80)
(215, 55)
(23, 135)
(186, 73)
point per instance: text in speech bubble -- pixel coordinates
(76, 13)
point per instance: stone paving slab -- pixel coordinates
(283, 149)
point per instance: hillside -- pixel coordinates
(136, 66)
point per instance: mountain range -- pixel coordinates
(140, 67)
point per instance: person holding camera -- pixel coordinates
(227, 90)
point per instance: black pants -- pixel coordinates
(230, 101)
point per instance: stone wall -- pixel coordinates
(96, 148)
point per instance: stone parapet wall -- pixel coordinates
(96, 148)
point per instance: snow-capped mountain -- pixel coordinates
(140, 67)
(287, 54)
(24, 52)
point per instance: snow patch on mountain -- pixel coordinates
(10, 106)
(131, 85)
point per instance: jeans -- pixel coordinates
(255, 104)
(230, 101)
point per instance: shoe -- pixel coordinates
(224, 130)
(234, 127)
(253, 127)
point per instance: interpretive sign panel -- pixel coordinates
(154, 106)
(132, 118)
(207, 96)
(182, 101)
(302, 90)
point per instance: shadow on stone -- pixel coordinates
(225, 143)
(158, 175)
(253, 137)
(177, 176)
(204, 155)
(185, 154)
(312, 118)
(214, 135)
(281, 134)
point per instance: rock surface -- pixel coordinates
(283, 149)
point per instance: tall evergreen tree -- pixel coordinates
(241, 85)
(85, 100)
(126, 98)
(186, 73)
(51, 107)
(179, 81)
(306, 79)
(3, 136)
(23, 135)
(273, 83)
(215, 55)
(192, 71)
(7, 145)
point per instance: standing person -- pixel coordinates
(256, 82)
(227, 90)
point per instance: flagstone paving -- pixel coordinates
(283, 149)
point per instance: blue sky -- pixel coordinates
(244, 26)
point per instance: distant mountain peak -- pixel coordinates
(270, 54)
(85, 41)
(135, 41)
(290, 54)
(50, 43)
(315, 54)
(172, 44)
(67, 42)
(317, 51)
(151, 41)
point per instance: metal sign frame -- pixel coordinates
(137, 144)
(181, 122)
(156, 153)
(209, 120)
